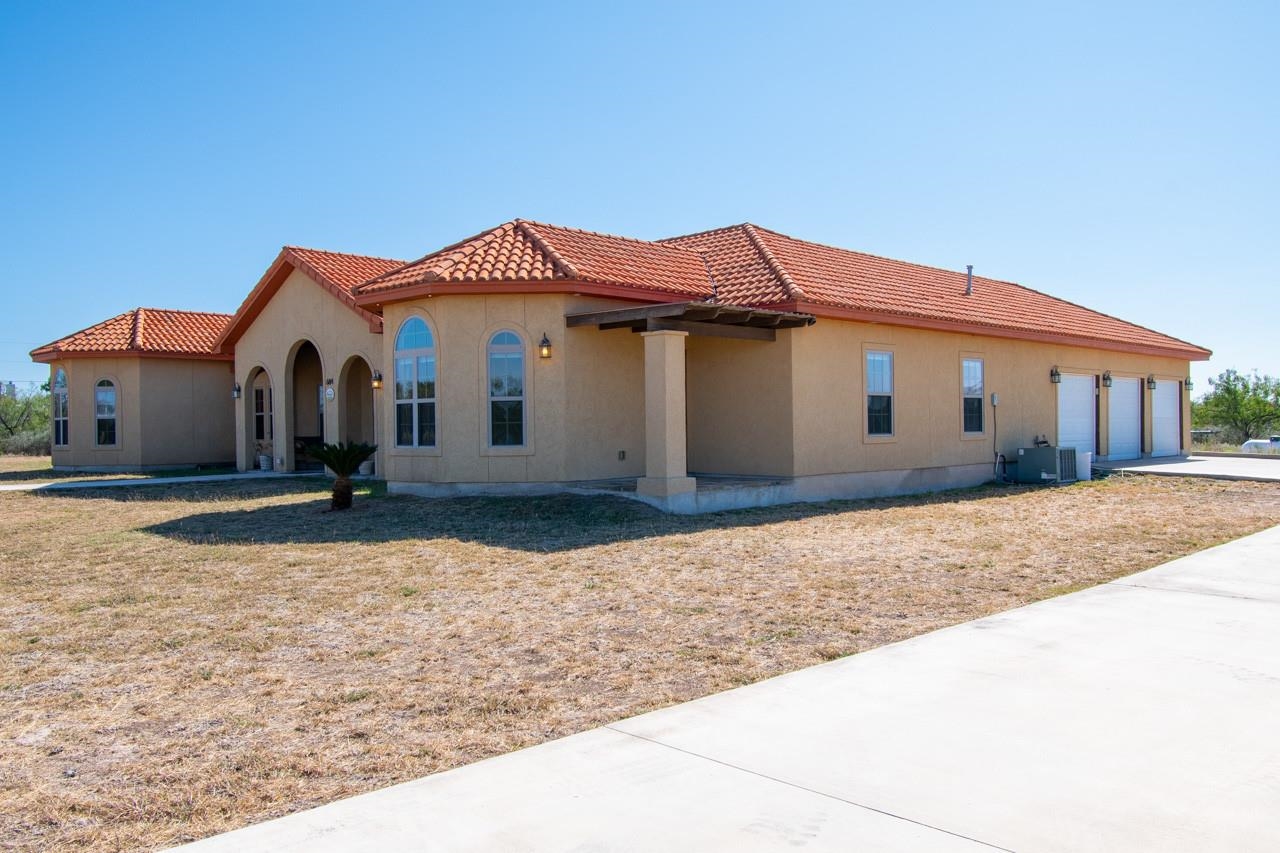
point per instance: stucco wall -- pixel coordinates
(829, 406)
(188, 416)
(301, 310)
(739, 404)
(169, 412)
(583, 405)
(83, 375)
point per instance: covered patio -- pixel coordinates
(667, 483)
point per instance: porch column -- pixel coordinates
(665, 461)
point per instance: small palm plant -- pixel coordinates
(343, 459)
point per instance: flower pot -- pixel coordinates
(264, 462)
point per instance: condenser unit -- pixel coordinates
(1046, 465)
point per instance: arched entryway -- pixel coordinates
(355, 395)
(306, 406)
(259, 421)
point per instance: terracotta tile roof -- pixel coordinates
(341, 270)
(755, 266)
(337, 272)
(143, 331)
(525, 251)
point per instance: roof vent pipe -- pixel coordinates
(968, 284)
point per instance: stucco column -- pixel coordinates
(665, 462)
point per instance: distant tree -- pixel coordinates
(24, 414)
(1242, 406)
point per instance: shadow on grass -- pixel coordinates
(537, 524)
(48, 474)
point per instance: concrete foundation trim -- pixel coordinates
(711, 497)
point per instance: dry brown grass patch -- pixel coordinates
(183, 660)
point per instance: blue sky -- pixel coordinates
(1123, 158)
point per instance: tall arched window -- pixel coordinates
(61, 422)
(415, 359)
(104, 400)
(506, 390)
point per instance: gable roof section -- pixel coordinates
(143, 332)
(337, 272)
(755, 266)
(536, 256)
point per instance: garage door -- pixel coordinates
(1124, 419)
(1164, 419)
(1075, 412)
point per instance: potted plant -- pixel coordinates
(263, 451)
(343, 459)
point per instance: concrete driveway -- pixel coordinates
(1264, 468)
(1139, 715)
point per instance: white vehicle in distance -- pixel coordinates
(1262, 445)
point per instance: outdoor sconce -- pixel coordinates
(1151, 382)
(1106, 379)
(1055, 376)
(544, 346)
(377, 380)
(235, 391)
(1187, 382)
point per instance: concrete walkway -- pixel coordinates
(56, 485)
(1261, 468)
(1139, 715)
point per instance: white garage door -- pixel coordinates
(1164, 419)
(1124, 418)
(1075, 412)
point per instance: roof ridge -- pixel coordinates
(789, 285)
(673, 238)
(343, 254)
(184, 311)
(661, 243)
(529, 229)
(1016, 284)
(135, 334)
(452, 247)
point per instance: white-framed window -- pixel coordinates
(415, 376)
(971, 394)
(879, 392)
(61, 420)
(506, 390)
(263, 426)
(104, 413)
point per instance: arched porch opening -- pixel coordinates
(304, 408)
(259, 421)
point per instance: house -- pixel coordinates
(143, 389)
(732, 367)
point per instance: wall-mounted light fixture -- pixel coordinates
(1151, 382)
(1106, 379)
(1055, 375)
(377, 380)
(544, 346)
(328, 382)
(1187, 382)
(235, 391)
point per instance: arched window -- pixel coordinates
(506, 390)
(415, 359)
(61, 423)
(104, 400)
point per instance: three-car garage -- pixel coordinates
(1079, 409)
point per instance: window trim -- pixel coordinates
(413, 402)
(266, 414)
(532, 366)
(981, 396)
(869, 437)
(64, 417)
(115, 416)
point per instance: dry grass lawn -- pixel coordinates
(39, 469)
(179, 661)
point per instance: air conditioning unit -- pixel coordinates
(1046, 465)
